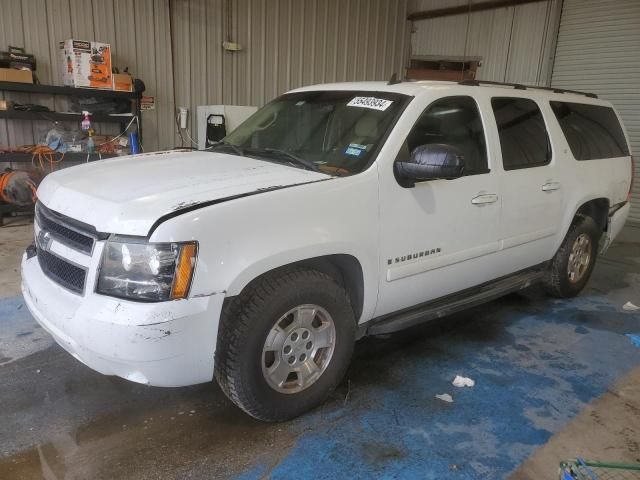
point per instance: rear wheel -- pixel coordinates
(574, 261)
(284, 343)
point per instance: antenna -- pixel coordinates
(394, 79)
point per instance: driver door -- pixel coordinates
(439, 236)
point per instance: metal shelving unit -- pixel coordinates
(52, 90)
(122, 119)
(70, 117)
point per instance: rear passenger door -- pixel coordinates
(532, 190)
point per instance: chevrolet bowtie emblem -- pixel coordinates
(44, 240)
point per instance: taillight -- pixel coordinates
(633, 171)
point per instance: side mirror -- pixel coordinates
(430, 162)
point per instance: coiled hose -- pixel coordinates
(17, 188)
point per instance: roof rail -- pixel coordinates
(518, 86)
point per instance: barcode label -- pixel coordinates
(370, 102)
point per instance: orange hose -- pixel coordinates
(41, 155)
(4, 181)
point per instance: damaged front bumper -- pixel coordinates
(167, 344)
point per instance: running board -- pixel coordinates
(452, 303)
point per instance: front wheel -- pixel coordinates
(284, 343)
(571, 267)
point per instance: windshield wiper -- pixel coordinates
(292, 158)
(235, 148)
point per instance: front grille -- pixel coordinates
(61, 271)
(75, 236)
(53, 226)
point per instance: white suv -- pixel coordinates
(334, 212)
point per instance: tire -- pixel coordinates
(562, 281)
(247, 321)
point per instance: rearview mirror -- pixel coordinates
(430, 162)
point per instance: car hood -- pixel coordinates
(127, 195)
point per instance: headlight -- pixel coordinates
(151, 272)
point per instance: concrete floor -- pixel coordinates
(554, 380)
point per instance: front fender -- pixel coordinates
(244, 238)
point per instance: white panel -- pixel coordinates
(234, 115)
(598, 50)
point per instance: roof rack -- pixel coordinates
(518, 86)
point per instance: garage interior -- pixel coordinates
(555, 380)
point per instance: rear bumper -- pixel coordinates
(165, 344)
(615, 223)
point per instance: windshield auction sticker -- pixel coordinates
(370, 102)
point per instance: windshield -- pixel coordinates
(335, 132)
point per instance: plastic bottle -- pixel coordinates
(86, 121)
(91, 146)
(133, 143)
(134, 146)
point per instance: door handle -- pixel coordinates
(484, 198)
(550, 186)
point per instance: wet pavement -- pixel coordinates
(537, 363)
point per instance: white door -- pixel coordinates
(439, 236)
(531, 184)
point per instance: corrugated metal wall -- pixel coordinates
(138, 34)
(287, 43)
(599, 51)
(516, 43)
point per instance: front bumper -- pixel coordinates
(166, 344)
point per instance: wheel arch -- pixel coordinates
(598, 209)
(593, 206)
(344, 268)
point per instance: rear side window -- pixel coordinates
(523, 135)
(592, 131)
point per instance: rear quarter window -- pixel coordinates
(592, 131)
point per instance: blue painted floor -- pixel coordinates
(536, 362)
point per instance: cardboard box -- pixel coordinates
(85, 64)
(13, 75)
(122, 82)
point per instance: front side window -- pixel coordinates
(524, 140)
(455, 122)
(336, 132)
(592, 131)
